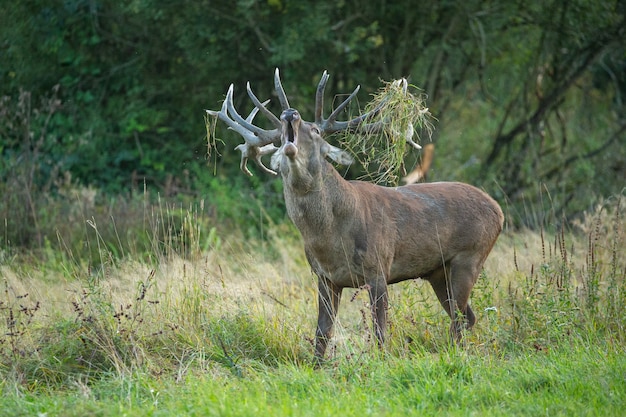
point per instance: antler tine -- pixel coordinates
(261, 106)
(255, 110)
(410, 132)
(257, 141)
(222, 115)
(319, 99)
(264, 136)
(282, 97)
(256, 153)
(255, 136)
(402, 82)
(332, 119)
(331, 125)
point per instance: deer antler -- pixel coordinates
(408, 135)
(331, 125)
(257, 142)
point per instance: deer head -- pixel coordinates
(295, 135)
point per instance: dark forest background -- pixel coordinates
(102, 102)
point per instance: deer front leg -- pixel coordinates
(329, 297)
(379, 304)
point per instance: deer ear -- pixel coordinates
(339, 156)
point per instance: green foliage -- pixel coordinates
(104, 96)
(247, 203)
(526, 93)
(31, 163)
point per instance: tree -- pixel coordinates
(538, 85)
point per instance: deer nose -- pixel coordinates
(290, 115)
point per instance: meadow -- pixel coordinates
(181, 317)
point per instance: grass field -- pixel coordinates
(210, 323)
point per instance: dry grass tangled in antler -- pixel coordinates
(402, 114)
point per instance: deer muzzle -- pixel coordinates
(290, 119)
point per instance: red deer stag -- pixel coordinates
(357, 234)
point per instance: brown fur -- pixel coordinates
(360, 234)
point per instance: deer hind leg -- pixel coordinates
(452, 285)
(329, 298)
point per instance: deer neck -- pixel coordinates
(315, 195)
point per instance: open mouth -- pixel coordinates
(290, 133)
(291, 126)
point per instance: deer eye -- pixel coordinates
(315, 129)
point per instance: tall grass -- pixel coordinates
(226, 329)
(164, 296)
(204, 301)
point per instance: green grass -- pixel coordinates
(572, 380)
(225, 329)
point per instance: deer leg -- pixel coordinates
(453, 285)
(438, 281)
(465, 272)
(329, 297)
(379, 304)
